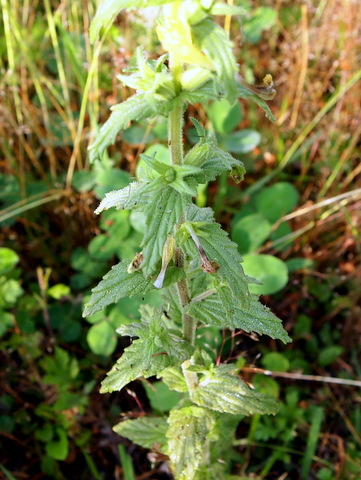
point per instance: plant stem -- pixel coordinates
(176, 148)
(189, 323)
(175, 135)
(176, 117)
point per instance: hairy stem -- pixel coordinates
(189, 323)
(175, 135)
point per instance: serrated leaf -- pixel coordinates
(134, 108)
(257, 318)
(220, 249)
(219, 390)
(174, 378)
(220, 161)
(145, 431)
(155, 350)
(214, 41)
(187, 435)
(163, 213)
(116, 284)
(109, 9)
(244, 92)
(123, 199)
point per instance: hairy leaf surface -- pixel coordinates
(156, 349)
(116, 284)
(174, 378)
(134, 108)
(163, 212)
(144, 431)
(257, 318)
(187, 435)
(220, 390)
(220, 249)
(214, 41)
(124, 199)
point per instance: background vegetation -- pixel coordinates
(301, 199)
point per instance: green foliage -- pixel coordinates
(184, 251)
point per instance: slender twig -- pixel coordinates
(304, 377)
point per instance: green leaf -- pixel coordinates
(257, 318)
(270, 270)
(250, 232)
(277, 200)
(161, 398)
(8, 259)
(134, 108)
(298, 263)
(116, 284)
(163, 213)
(329, 354)
(275, 362)
(124, 199)
(243, 141)
(155, 350)
(148, 432)
(224, 116)
(220, 249)
(58, 449)
(110, 179)
(58, 291)
(214, 41)
(101, 338)
(174, 378)
(189, 429)
(61, 369)
(10, 291)
(220, 390)
(212, 159)
(109, 9)
(262, 19)
(244, 92)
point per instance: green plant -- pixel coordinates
(185, 253)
